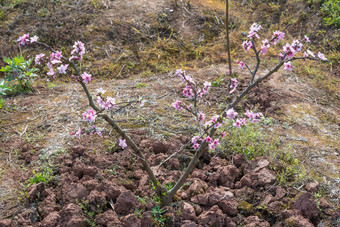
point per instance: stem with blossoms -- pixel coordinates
(201, 143)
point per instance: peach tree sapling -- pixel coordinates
(207, 137)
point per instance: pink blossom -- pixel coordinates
(223, 134)
(90, 115)
(78, 133)
(201, 116)
(62, 69)
(306, 39)
(277, 36)
(177, 105)
(86, 77)
(264, 49)
(99, 133)
(247, 45)
(188, 91)
(310, 53)
(189, 107)
(23, 39)
(195, 139)
(122, 143)
(38, 58)
(231, 114)
(238, 123)
(241, 64)
(288, 66)
(214, 119)
(233, 85)
(179, 72)
(51, 72)
(56, 56)
(297, 46)
(101, 91)
(196, 146)
(208, 139)
(78, 51)
(322, 56)
(109, 104)
(217, 125)
(216, 142)
(34, 39)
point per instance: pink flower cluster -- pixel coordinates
(78, 51)
(25, 39)
(108, 105)
(90, 115)
(253, 31)
(177, 105)
(241, 64)
(250, 117)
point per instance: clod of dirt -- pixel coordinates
(36, 191)
(147, 220)
(307, 205)
(74, 191)
(188, 223)
(188, 212)
(97, 198)
(6, 223)
(197, 186)
(48, 206)
(126, 203)
(311, 187)
(108, 218)
(239, 159)
(262, 177)
(111, 189)
(131, 220)
(51, 220)
(299, 220)
(159, 147)
(253, 221)
(228, 206)
(71, 216)
(212, 217)
(78, 151)
(228, 175)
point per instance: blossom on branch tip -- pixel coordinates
(78, 133)
(177, 105)
(78, 51)
(277, 36)
(62, 69)
(122, 143)
(86, 77)
(306, 39)
(201, 117)
(208, 139)
(231, 113)
(240, 63)
(247, 45)
(23, 39)
(34, 39)
(38, 58)
(322, 56)
(288, 66)
(90, 115)
(195, 146)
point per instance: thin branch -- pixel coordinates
(258, 61)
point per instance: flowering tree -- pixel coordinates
(209, 133)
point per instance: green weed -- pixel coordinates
(158, 215)
(45, 176)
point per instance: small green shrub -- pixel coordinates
(45, 176)
(158, 215)
(19, 73)
(331, 10)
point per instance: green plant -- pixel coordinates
(169, 186)
(4, 87)
(158, 215)
(84, 204)
(113, 170)
(331, 9)
(45, 176)
(218, 82)
(140, 85)
(20, 71)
